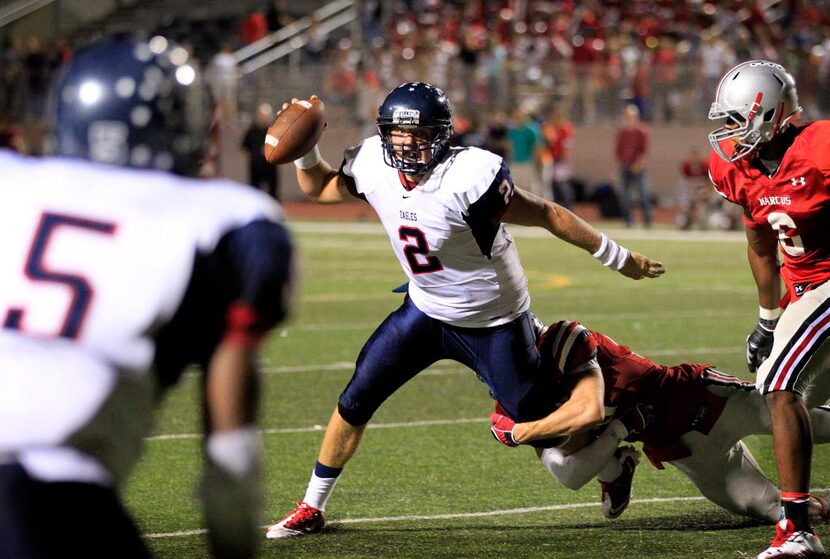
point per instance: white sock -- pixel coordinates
(319, 490)
(612, 469)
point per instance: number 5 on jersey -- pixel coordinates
(37, 270)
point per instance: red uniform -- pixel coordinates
(794, 201)
(678, 394)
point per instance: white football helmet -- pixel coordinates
(757, 99)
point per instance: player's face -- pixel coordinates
(412, 144)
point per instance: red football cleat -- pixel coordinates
(303, 520)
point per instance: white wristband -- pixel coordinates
(769, 314)
(309, 160)
(611, 254)
(236, 451)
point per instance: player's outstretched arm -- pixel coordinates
(583, 409)
(527, 209)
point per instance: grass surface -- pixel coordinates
(447, 489)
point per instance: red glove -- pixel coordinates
(502, 428)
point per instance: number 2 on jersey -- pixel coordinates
(37, 270)
(419, 248)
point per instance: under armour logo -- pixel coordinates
(801, 288)
(798, 181)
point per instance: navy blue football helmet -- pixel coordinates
(132, 103)
(415, 106)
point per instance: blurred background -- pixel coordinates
(543, 82)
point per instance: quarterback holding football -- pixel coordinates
(444, 209)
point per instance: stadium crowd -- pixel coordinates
(585, 59)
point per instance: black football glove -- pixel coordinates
(759, 344)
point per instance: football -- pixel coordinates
(295, 131)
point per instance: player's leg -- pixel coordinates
(795, 362)
(730, 478)
(407, 342)
(41, 520)
(506, 359)
(576, 468)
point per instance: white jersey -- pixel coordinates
(462, 263)
(95, 260)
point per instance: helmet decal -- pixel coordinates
(406, 116)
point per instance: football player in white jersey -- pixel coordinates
(444, 210)
(118, 271)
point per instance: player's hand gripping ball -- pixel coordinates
(295, 131)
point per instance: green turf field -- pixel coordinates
(429, 481)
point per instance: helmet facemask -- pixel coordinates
(414, 157)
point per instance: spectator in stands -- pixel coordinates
(254, 27)
(693, 190)
(37, 72)
(555, 156)
(261, 174)
(496, 134)
(10, 82)
(665, 95)
(525, 137)
(631, 152)
(315, 49)
(276, 16)
(222, 78)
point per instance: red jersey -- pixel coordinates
(677, 395)
(794, 201)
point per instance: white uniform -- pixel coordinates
(462, 263)
(95, 260)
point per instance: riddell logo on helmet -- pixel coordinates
(406, 116)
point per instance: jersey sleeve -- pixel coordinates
(484, 214)
(259, 260)
(346, 172)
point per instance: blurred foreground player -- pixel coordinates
(444, 209)
(118, 271)
(779, 173)
(689, 415)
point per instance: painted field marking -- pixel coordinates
(479, 514)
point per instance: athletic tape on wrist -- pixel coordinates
(610, 254)
(769, 314)
(309, 160)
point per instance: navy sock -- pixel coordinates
(321, 470)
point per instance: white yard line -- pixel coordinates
(313, 428)
(478, 514)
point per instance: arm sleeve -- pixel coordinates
(259, 257)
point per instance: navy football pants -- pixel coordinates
(408, 341)
(41, 520)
